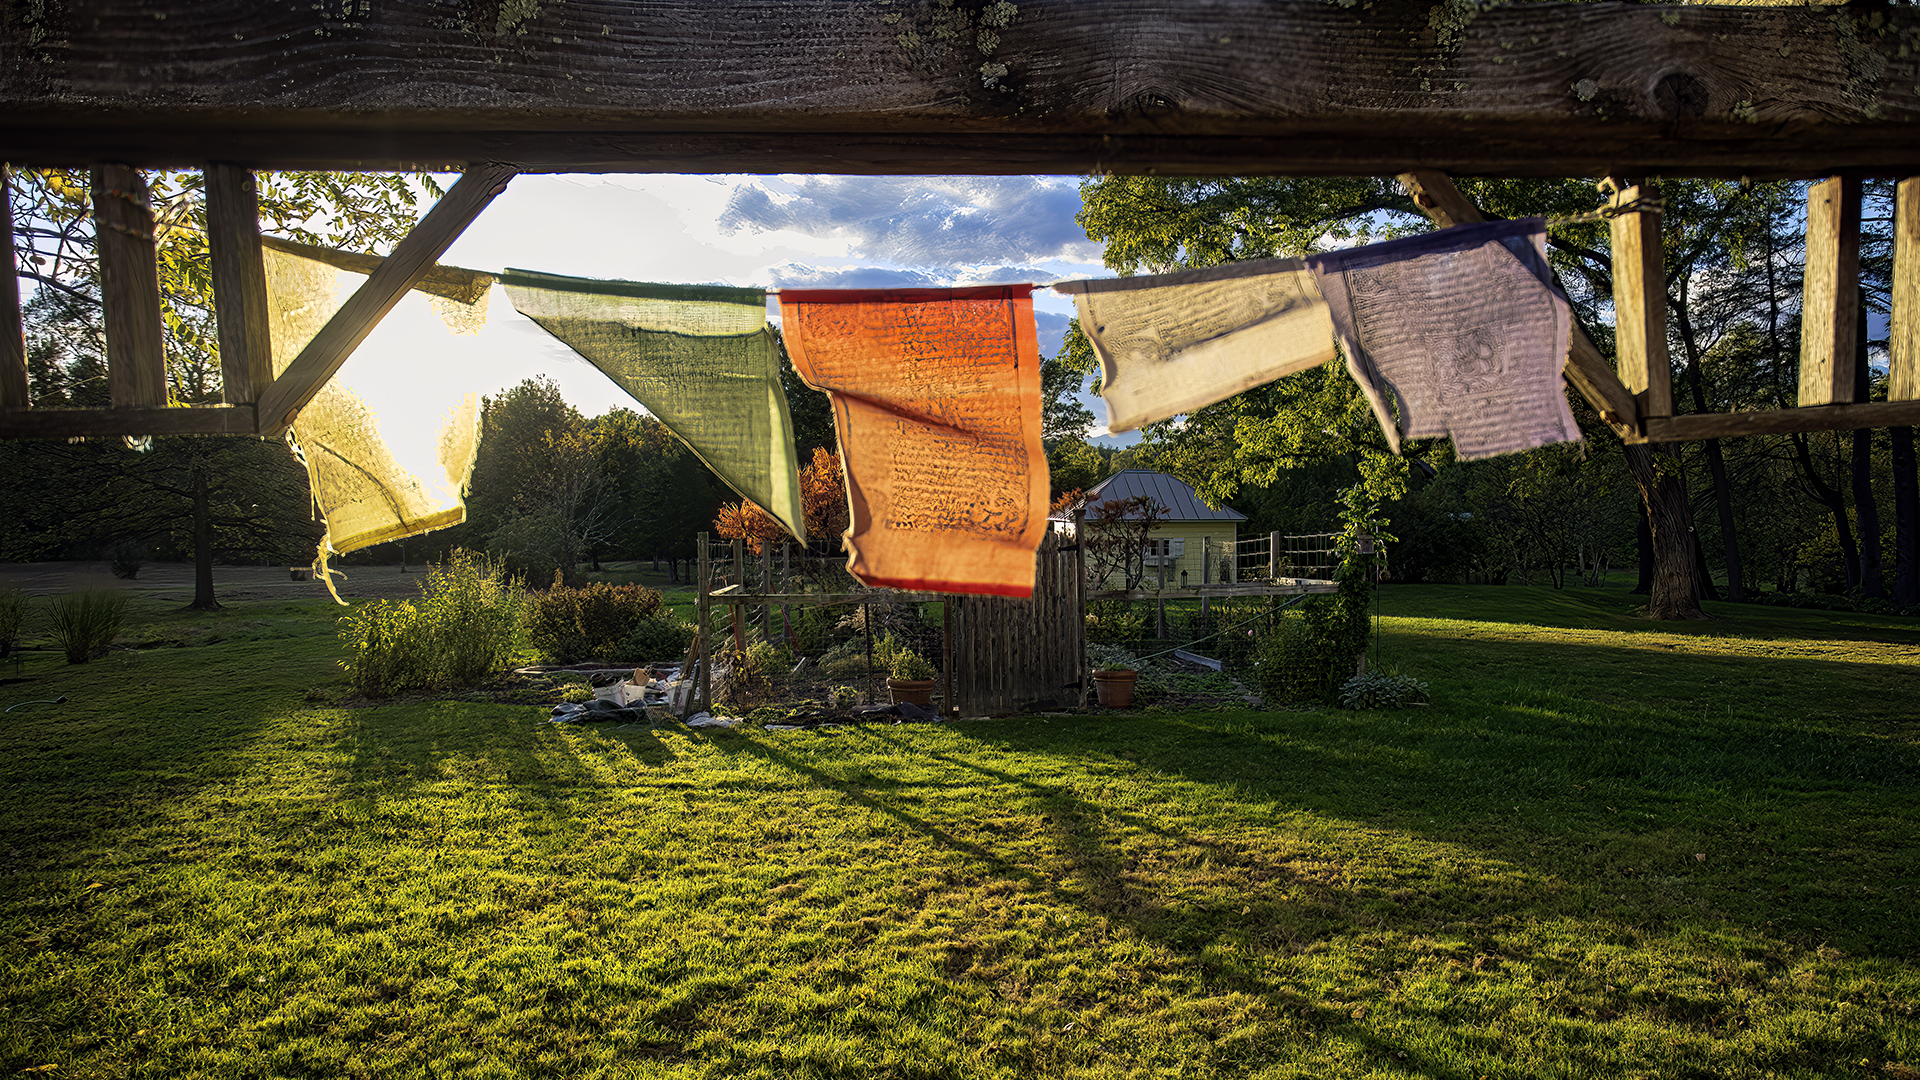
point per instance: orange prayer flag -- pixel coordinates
(936, 399)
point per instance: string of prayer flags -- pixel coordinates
(936, 401)
(386, 459)
(1458, 332)
(700, 358)
(1173, 343)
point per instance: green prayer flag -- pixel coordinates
(699, 357)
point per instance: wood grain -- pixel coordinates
(413, 257)
(79, 423)
(1782, 421)
(13, 343)
(1903, 346)
(903, 86)
(1588, 371)
(239, 283)
(129, 288)
(1830, 292)
(1640, 305)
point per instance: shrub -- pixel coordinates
(1115, 622)
(658, 638)
(13, 613)
(125, 558)
(591, 623)
(84, 624)
(905, 664)
(465, 626)
(1382, 690)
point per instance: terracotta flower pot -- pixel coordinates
(1115, 688)
(917, 691)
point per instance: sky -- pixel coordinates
(800, 231)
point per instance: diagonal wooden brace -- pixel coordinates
(1586, 369)
(412, 259)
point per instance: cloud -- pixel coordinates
(923, 220)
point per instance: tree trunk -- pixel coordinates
(1825, 495)
(1643, 542)
(1675, 590)
(1716, 461)
(1906, 520)
(1866, 511)
(202, 544)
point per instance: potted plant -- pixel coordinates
(910, 678)
(1114, 685)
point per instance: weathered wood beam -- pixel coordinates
(81, 423)
(1830, 292)
(1782, 421)
(13, 342)
(1585, 368)
(239, 283)
(910, 86)
(129, 288)
(1640, 304)
(1903, 346)
(412, 258)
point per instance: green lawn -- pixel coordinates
(1609, 849)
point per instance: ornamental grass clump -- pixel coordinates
(465, 626)
(85, 623)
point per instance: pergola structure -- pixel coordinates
(1295, 87)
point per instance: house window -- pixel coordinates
(1164, 551)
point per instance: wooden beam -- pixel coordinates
(1872, 414)
(1586, 369)
(1830, 292)
(13, 343)
(129, 288)
(1297, 87)
(412, 258)
(136, 420)
(1640, 304)
(1903, 345)
(239, 283)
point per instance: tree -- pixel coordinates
(823, 502)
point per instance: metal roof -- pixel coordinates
(1176, 495)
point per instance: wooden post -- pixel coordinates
(1273, 556)
(13, 342)
(1206, 574)
(129, 288)
(1640, 304)
(239, 283)
(1080, 598)
(703, 635)
(786, 586)
(766, 586)
(739, 578)
(1830, 293)
(1903, 346)
(948, 707)
(1159, 605)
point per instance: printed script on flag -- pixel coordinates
(936, 399)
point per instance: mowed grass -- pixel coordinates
(1609, 848)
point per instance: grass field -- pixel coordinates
(1609, 848)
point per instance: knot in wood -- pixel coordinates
(1680, 96)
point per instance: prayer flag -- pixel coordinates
(376, 474)
(1173, 343)
(936, 400)
(699, 357)
(1458, 332)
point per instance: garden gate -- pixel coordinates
(1013, 655)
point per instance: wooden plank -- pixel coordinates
(411, 259)
(132, 420)
(1903, 346)
(1586, 370)
(1830, 293)
(1640, 305)
(239, 283)
(129, 288)
(13, 342)
(1045, 85)
(1840, 417)
(452, 282)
